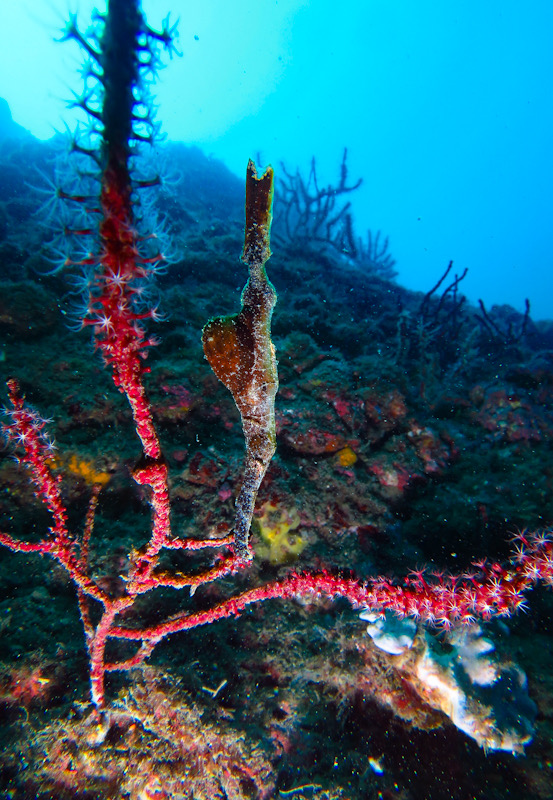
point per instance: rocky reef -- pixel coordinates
(411, 429)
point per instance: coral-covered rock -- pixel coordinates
(484, 694)
(514, 417)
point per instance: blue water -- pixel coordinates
(446, 110)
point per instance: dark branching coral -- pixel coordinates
(310, 218)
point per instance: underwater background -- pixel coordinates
(414, 423)
(445, 108)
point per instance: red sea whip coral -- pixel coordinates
(241, 353)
